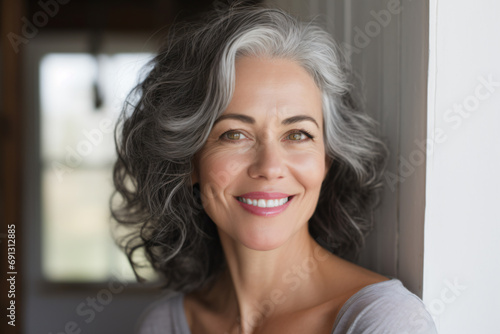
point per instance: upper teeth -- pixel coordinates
(262, 203)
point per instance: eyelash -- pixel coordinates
(305, 132)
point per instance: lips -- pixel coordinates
(264, 195)
(264, 203)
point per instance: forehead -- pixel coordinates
(269, 87)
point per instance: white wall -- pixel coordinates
(462, 218)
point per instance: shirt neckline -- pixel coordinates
(392, 280)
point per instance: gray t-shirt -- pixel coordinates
(385, 307)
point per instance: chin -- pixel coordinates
(263, 241)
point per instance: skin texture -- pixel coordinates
(278, 276)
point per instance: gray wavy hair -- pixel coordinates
(170, 114)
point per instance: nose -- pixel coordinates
(269, 162)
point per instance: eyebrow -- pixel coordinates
(251, 120)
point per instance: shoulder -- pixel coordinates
(384, 307)
(165, 316)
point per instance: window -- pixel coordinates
(81, 96)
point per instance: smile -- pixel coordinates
(265, 207)
(262, 203)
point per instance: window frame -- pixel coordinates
(46, 43)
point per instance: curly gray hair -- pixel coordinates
(170, 114)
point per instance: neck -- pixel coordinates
(268, 283)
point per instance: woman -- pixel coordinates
(250, 175)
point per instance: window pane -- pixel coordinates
(77, 152)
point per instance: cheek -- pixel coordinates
(218, 171)
(309, 168)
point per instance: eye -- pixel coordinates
(300, 136)
(232, 135)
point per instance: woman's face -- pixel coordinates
(268, 148)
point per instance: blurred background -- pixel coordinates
(66, 67)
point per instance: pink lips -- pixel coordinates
(264, 195)
(266, 212)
